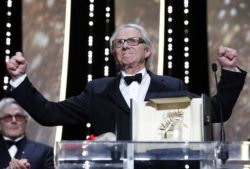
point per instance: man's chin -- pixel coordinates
(14, 135)
(128, 66)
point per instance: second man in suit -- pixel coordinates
(16, 151)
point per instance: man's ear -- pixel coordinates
(115, 58)
(148, 52)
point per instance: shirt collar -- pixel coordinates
(19, 138)
(143, 72)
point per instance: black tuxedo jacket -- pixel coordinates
(40, 156)
(102, 104)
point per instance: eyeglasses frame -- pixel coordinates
(137, 39)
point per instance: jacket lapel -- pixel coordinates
(155, 85)
(21, 153)
(116, 96)
(5, 157)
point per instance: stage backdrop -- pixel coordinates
(43, 38)
(228, 24)
(43, 34)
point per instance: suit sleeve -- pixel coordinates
(229, 88)
(74, 110)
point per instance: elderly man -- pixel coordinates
(105, 102)
(16, 151)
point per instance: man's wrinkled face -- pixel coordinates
(12, 121)
(130, 55)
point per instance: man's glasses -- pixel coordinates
(9, 118)
(117, 43)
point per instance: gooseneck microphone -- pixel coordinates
(222, 131)
(224, 154)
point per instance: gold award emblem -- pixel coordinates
(172, 125)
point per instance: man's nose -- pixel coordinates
(125, 44)
(13, 119)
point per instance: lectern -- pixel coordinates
(167, 133)
(126, 155)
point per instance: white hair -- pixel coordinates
(143, 32)
(7, 101)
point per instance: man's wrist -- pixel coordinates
(235, 69)
(15, 83)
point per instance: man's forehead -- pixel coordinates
(128, 33)
(12, 109)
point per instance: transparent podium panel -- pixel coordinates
(152, 155)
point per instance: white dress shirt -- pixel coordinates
(135, 90)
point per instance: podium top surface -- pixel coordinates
(124, 154)
(98, 150)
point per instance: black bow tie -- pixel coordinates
(11, 143)
(130, 79)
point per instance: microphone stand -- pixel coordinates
(115, 151)
(224, 152)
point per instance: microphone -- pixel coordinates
(115, 150)
(224, 154)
